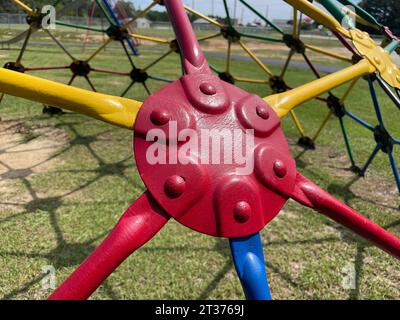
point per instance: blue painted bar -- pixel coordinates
(371, 157)
(360, 121)
(248, 257)
(110, 9)
(375, 102)
(395, 169)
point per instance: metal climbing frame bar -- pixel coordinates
(275, 176)
(276, 82)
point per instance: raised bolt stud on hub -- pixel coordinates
(208, 89)
(175, 186)
(160, 117)
(242, 211)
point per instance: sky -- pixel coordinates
(276, 9)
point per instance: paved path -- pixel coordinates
(323, 68)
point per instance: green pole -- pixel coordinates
(213, 68)
(361, 12)
(337, 12)
(105, 12)
(392, 46)
(270, 23)
(78, 26)
(254, 36)
(346, 140)
(227, 13)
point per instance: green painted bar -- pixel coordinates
(270, 23)
(361, 12)
(392, 46)
(347, 142)
(253, 36)
(105, 12)
(337, 12)
(213, 68)
(60, 23)
(227, 13)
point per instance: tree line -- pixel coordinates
(387, 12)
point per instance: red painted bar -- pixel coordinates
(140, 222)
(312, 196)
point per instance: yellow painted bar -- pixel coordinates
(284, 102)
(148, 38)
(209, 36)
(204, 17)
(295, 22)
(23, 6)
(255, 58)
(319, 15)
(288, 59)
(327, 53)
(349, 89)
(158, 59)
(297, 123)
(118, 111)
(228, 57)
(323, 124)
(239, 79)
(140, 14)
(105, 44)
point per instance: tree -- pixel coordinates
(157, 16)
(387, 12)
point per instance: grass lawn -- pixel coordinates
(66, 180)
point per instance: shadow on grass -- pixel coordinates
(344, 192)
(65, 254)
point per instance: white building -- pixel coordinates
(142, 23)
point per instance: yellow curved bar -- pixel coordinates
(328, 53)
(359, 19)
(140, 14)
(204, 17)
(23, 6)
(319, 15)
(118, 111)
(284, 102)
(148, 38)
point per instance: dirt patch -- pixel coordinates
(25, 151)
(28, 148)
(92, 38)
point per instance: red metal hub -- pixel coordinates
(213, 198)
